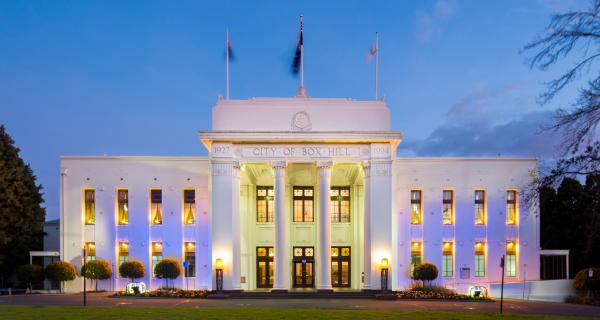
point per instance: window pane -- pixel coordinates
(308, 210)
(123, 206)
(156, 206)
(89, 206)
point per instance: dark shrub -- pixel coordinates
(60, 271)
(97, 270)
(586, 285)
(30, 274)
(425, 272)
(132, 270)
(168, 269)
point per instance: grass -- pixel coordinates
(133, 313)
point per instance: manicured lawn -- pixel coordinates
(55, 312)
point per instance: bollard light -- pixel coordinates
(219, 270)
(384, 265)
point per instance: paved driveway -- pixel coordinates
(510, 306)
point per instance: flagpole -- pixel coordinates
(227, 64)
(301, 56)
(376, 64)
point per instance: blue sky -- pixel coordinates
(140, 77)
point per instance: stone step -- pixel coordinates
(304, 295)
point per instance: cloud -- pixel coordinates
(429, 23)
(519, 137)
(490, 122)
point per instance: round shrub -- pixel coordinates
(30, 274)
(60, 271)
(425, 272)
(97, 270)
(168, 269)
(132, 270)
(583, 283)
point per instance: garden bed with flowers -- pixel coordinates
(436, 293)
(166, 293)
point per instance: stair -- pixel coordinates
(304, 295)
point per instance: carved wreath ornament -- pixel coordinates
(301, 121)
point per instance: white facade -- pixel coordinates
(292, 150)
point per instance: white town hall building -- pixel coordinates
(297, 194)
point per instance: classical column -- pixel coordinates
(366, 165)
(324, 271)
(282, 265)
(236, 257)
(225, 207)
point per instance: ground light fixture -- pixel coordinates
(219, 270)
(384, 265)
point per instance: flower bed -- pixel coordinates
(167, 293)
(437, 293)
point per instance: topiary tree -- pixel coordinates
(425, 272)
(584, 283)
(168, 269)
(60, 271)
(132, 270)
(30, 274)
(97, 270)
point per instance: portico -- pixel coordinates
(303, 199)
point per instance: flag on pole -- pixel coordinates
(229, 51)
(297, 62)
(373, 51)
(228, 56)
(374, 54)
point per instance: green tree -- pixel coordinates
(132, 270)
(60, 271)
(168, 269)
(21, 214)
(570, 219)
(425, 272)
(98, 269)
(30, 274)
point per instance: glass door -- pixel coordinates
(304, 272)
(264, 267)
(340, 267)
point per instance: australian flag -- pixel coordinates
(296, 63)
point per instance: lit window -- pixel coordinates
(448, 207)
(156, 206)
(123, 206)
(264, 204)
(90, 249)
(448, 259)
(190, 258)
(303, 204)
(189, 206)
(479, 207)
(89, 206)
(339, 204)
(416, 210)
(480, 259)
(511, 207)
(416, 256)
(157, 255)
(123, 252)
(510, 262)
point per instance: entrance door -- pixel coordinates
(264, 267)
(340, 267)
(304, 267)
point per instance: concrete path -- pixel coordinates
(510, 306)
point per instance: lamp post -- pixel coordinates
(384, 265)
(219, 269)
(83, 274)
